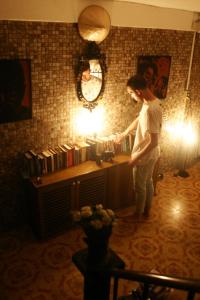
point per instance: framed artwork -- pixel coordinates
(15, 90)
(155, 69)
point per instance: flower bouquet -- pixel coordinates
(97, 224)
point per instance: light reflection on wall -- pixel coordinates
(89, 122)
(183, 131)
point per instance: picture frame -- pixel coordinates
(155, 69)
(15, 90)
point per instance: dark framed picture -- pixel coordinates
(15, 90)
(155, 69)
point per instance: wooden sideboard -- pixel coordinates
(52, 200)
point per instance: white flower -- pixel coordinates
(102, 212)
(94, 216)
(99, 206)
(97, 224)
(86, 208)
(86, 213)
(110, 212)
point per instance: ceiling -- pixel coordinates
(189, 5)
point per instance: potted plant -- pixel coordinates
(97, 223)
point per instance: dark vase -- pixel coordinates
(97, 241)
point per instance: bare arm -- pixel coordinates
(138, 155)
(131, 127)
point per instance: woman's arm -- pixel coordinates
(131, 127)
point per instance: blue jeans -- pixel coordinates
(143, 185)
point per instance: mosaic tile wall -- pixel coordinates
(54, 49)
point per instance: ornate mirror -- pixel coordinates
(91, 76)
(94, 26)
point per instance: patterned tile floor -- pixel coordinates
(169, 241)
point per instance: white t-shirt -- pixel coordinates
(150, 121)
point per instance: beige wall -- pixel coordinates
(54, 49)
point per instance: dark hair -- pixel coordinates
(137, 82)
(85, 66)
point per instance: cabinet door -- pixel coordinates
(91, 188)
(120, 186)
(54, 206)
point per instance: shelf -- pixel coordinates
(82, 169)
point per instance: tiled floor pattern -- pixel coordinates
(169, 241)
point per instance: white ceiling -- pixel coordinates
(189, 5)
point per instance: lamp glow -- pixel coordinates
(89, 122)
(183, 131)
(190, 136)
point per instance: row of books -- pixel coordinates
(103, 144)
(68, 155)
(54, 159)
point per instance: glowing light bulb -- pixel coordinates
(89, 122)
